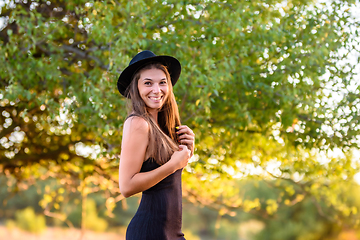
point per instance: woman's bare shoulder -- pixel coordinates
(135, 138)
(136, 124)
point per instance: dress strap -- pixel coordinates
(130, 115)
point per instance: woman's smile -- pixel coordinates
(156, 99)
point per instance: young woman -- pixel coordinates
(155, 147)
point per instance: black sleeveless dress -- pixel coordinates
(160, 211)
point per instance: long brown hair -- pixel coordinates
(162, 136)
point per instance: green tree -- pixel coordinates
(263, 85)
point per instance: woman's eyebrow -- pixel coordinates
(152, 79)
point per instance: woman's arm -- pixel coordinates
(134, 143)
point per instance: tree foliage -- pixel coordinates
(264, 85)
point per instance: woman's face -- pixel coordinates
(153, 87)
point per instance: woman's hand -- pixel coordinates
(186, 137)
(180, 158)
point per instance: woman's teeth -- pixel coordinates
(155, 98)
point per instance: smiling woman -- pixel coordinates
(152, 153)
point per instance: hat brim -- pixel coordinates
(172, 64)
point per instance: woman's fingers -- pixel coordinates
(187, 142)
(182, 147)
(183, 129)
(186, 136)
(186, 139)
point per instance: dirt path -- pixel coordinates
(56, 234)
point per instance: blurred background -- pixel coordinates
(270, 88)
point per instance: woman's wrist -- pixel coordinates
(171, 166)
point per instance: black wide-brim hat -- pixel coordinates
(143, 58)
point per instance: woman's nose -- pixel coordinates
(156, 88)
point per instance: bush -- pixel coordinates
(189, 235)
(92, 221)
(27, 220)
(10, 224)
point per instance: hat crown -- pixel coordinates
(142, 55)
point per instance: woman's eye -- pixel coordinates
(163, 82)
(147, 83)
